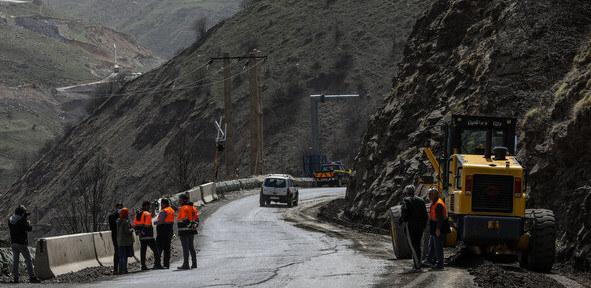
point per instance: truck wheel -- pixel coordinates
(399, 242)
(261, 201)
(297, 200)
(542, 249)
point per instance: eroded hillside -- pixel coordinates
(523, 59)
(312, 47)
(40, 51)
(164, 26)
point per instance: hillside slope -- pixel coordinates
(164, 26)
(351, 47)
(523, 59)
(40, 51)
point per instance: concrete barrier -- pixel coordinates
(104, 247)
(208, 192)
(305, 182)
(195, 196)
(64, 254)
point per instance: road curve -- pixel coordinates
(243, 245)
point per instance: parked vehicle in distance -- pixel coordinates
(279, 188)
(333, 174)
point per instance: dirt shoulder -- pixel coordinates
(482, 272)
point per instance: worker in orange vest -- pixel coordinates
(164, 230)
(438, 226)
(187, 222)
(142, 225)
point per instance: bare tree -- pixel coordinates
(93, 185)
(91, 197)
(70, 215)
(183, 163)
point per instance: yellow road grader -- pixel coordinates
(484, 189)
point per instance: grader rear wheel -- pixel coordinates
(540, 255)
(399, 240)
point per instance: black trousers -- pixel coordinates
(163, 242)
(144, 244)
(187, 241)
(115, 256)
(414, 233)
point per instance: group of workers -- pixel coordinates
(415, 218)
(122, 229)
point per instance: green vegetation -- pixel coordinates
(30, 57)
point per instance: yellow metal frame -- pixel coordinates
(472, 165)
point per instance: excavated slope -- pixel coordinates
(524, 59)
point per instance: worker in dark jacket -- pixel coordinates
(187, 222)
(414, 216)
(165, 230)
(142, 225)
(113, 227)
(438, 226)
(19, 225)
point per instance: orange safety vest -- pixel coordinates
(433, 207)
(187, 212)
(186, 218)
(169, 215)
(145, 220)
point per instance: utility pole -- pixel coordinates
(230, 172)
(256, 113)
(256, 118)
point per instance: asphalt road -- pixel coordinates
(244, 245)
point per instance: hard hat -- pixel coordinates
(433, 190)
(410, 190)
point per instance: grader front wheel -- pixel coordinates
(399, 240)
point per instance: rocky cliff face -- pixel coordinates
(524, 59)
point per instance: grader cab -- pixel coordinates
(484, 189)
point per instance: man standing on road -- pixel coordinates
(187, 222)
(113, 227)
(164, 230)
(438, 226)
(414, 216)
(19, 225)
(142, 224)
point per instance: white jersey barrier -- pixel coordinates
(208, 192)
(64, 254)
(70, 253)
(195, 196)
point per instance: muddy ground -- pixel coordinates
(485, 272)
